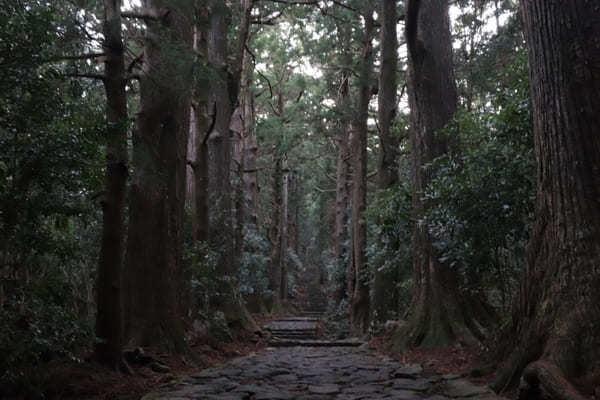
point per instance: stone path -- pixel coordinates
(318, 373)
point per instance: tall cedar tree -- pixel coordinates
(387, 173)
(439, 314)
(360, 299)
(555, 331)
(108, 318)
(154, 276)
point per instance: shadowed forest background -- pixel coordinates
(172, 173)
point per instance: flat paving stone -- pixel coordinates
(324, 389)
(318, 373)
(462, 388)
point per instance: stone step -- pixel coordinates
(315, 343)
(299, 319)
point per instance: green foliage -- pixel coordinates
(50, 171)
(481, 198)
(390, 234)
(201, 270)
(254, 269)
(337, 320)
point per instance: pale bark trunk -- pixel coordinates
(554, 335)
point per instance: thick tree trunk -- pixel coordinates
(438, 314)
(219, 139)
(239, 121)
(360, 300)
(341, 192)
(109, 329)
(555, 340)
(154, 249)
(387, 172)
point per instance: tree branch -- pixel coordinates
(146, 13)
(86, 75)
(88, 56)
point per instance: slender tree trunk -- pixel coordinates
(439, 314)
(109, 329)
(292, 218)
(360, 300)
(387, 172)
(275, 236)
(202, 124)
(154, 249)
(237, 127)
(555, 336)
(250, 174)
(341, 192)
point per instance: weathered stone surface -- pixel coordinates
(324, 389)
(462, 388)
(403, 395)
(417, 385)
(318, 373)
(408, 371)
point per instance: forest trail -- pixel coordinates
(297, 366)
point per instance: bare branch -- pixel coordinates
(146, 13)
(268, 81)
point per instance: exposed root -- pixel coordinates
(546, 377)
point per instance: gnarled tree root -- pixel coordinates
(546, 377)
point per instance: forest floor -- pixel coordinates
(85, 379)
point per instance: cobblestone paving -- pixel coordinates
(319, 373)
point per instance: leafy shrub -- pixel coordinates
(254, 269)
(481, 197)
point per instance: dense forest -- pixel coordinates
(173, 170)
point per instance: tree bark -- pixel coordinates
(154, 276)
(439, 314)
(387, 172)
(202, 124)
(341, 192)
(292, 217)
(109, 328)
(250, 154)
(275, 236)
(360, 300)
(554, 336)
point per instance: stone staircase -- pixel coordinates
(303, 330)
